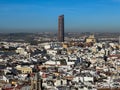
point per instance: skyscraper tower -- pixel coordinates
(61, 28)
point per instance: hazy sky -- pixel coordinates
(42, 15)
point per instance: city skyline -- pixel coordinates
(81, 15)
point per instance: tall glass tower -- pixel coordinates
(61, 28)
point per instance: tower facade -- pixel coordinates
(36, 82)
(61, 28)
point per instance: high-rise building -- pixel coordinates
(61, 28)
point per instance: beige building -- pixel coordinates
(24, 69)
(91, 38)
(65, 45)
(21, 51)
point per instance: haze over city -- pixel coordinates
(42, 15)
(59, 44)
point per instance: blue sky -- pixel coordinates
(42, 15)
